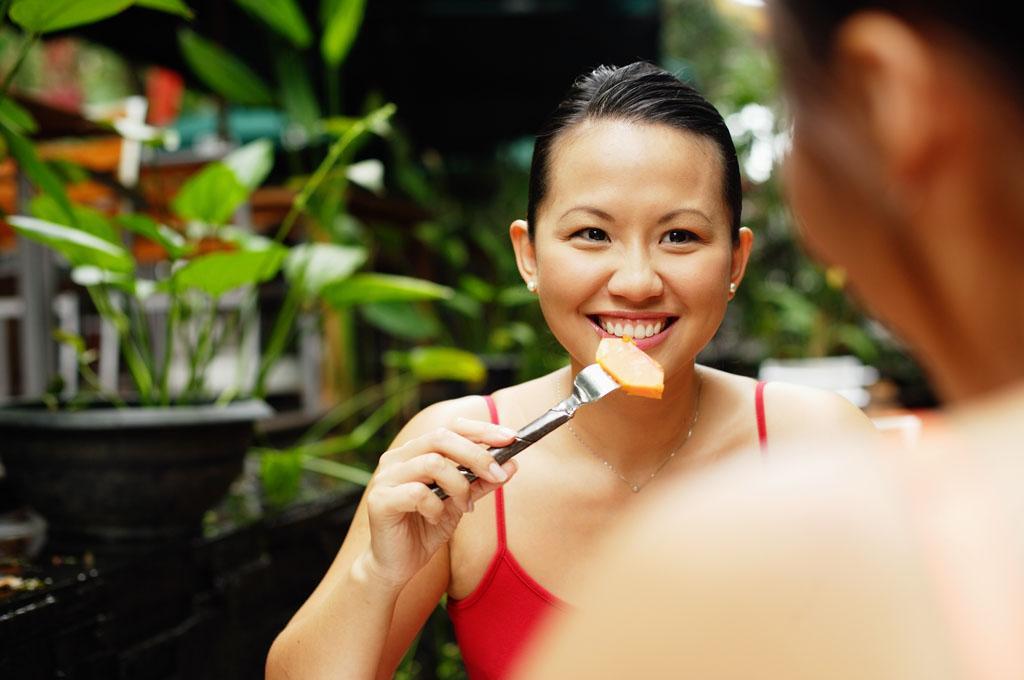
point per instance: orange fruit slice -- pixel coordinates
(637, 373)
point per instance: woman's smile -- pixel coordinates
(646, 329)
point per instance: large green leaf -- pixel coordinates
(218, 273)
(212, 195)
(170, 240)
(243, 239)
(170, 6)
(251, 163)
(44, 16)
(78, 247)
(89, 275)
(446, 363)
(15, 117)
(296, 89)
(363, 288)
(222, 72)
(38, 172)
(403, 320)
(476, 288)
(313, 266)
(92, 221)
(284, 16)
(341, 20)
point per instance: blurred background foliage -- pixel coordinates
(435, 196)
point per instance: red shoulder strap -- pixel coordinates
(762, 425)
(492, 409)
(499, 495)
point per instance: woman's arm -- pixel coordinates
(393, 566)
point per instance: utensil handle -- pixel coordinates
(526, 436)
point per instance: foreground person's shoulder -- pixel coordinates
(803, 569)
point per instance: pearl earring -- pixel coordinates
(531, 286)
(732, 288)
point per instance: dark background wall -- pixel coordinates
(465, 74)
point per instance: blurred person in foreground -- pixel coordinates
(907, 169)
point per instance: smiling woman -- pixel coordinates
(633, 228)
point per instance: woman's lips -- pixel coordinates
(642, 343)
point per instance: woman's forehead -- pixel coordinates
(617, 161)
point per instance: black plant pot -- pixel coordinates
(137, 473)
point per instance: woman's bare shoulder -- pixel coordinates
(513, 403)
(519, 404)
(795, 412)
(441, 414)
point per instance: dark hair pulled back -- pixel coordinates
(641, 93)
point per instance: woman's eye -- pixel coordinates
(592, 234)
(679, 236)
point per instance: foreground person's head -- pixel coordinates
(906, 169)
(633, 222)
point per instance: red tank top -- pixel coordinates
(494, 622)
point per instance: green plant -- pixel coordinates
(229, 260)
(472, 202)
(209, 257)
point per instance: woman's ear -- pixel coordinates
(891, 76)
(526, 255)
(741, 255)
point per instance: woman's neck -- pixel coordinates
(971, 336)
(634, 434)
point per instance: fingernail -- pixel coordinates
(508, 432)
(498, 473)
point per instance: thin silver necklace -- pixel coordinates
(637, 487)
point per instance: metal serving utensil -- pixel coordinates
(591, 384)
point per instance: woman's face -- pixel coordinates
(633, 238)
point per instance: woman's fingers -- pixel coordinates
(483, 432)
(481, 488)
(463, 451)
(406, 498)
(433, 468)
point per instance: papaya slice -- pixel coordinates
(637, 373)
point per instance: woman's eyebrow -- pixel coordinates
(668, 217)
(590, 209)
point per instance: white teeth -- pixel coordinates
(634, 330)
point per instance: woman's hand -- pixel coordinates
(408, 522)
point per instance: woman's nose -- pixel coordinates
(635, 278)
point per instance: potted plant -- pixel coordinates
(151, 463)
